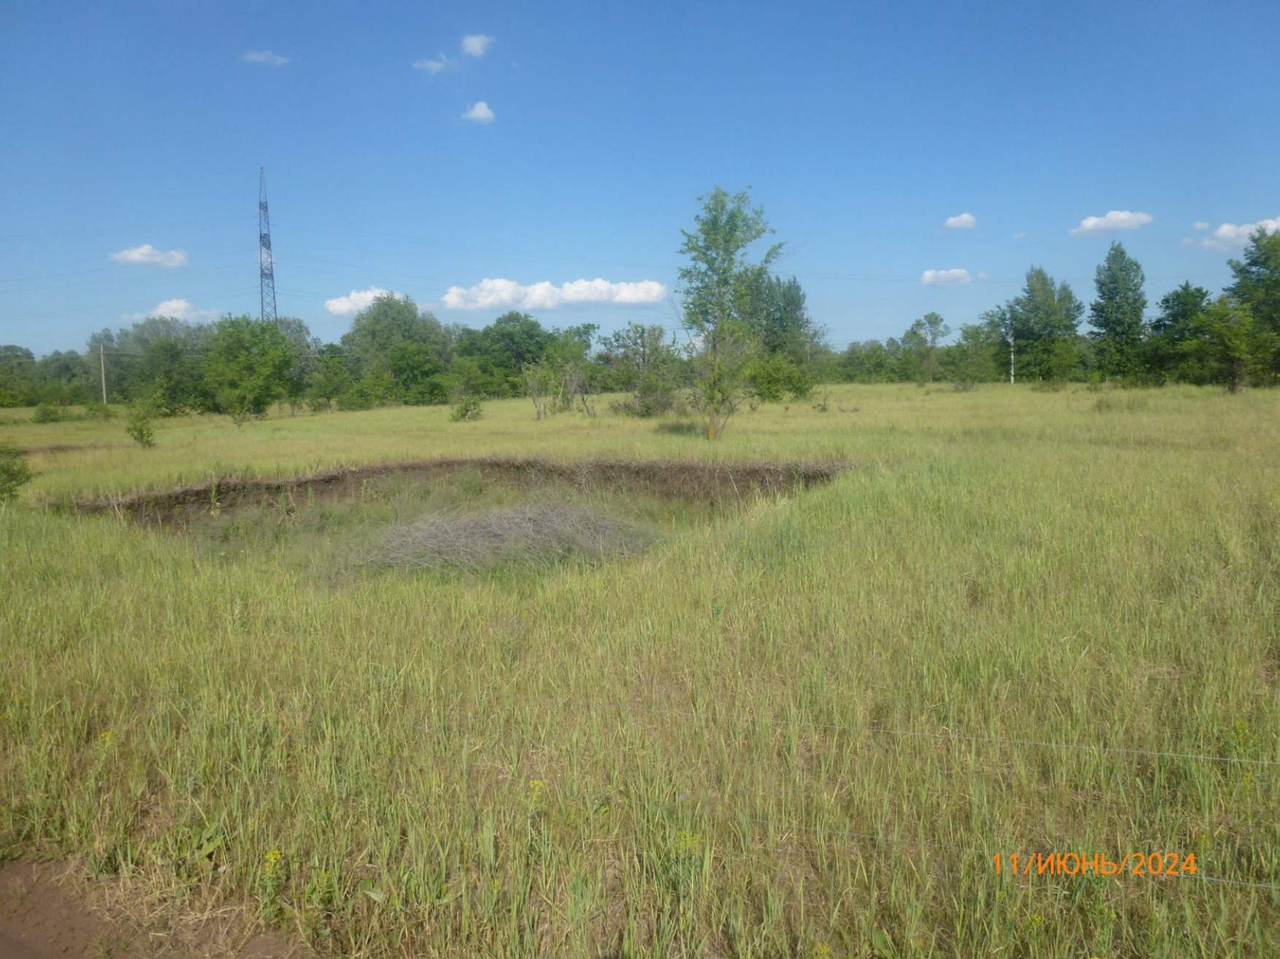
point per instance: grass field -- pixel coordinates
(791, 725)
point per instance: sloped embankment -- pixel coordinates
(671, 478)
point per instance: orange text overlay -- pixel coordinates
(1078, 864)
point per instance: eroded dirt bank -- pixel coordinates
(661, 478)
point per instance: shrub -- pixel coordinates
(99, 411)
(774, 378)
(138, 423)
(14, 471)
(48, 413)
(467, 408)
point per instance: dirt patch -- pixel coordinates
(662, 478)
(46, 913)
(530, 534)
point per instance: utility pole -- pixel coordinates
(266, 266)
(102, 367)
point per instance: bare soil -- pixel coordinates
(47, 912)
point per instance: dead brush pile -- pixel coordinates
(528, 534)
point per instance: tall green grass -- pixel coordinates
(1021, 623)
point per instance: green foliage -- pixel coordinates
(48, 413)
(1038, 329)
(772, 379)
(498, 354)
(138, 422)
(466, 407)
(717, 286)
(1232, 346)
(1257, 283)
(246, 367)
(1164, 358)
(643, 362)
(970, 361)
(14, 471)
(331, 378)
(1117, 314)
(921, 343)
(99, 411)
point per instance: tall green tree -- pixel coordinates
(501, 351)
(717, 287)
(1256, 281)
(969, 359)
(303, 359)
(394, 348)
(922, 339)
(331, 379)
(1036, 330)
(779, 318)
(246, 366)
(1117, 314)
(1232, 345)
(1173, 326)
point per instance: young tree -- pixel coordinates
(922, 339)
(394, 349)
(641, 360)
(246, 366)
(1116, 315)
(1232, 345)
(1036, 330)
(1172, 327)
(302, 359)
(968, 361)
(331, 378)
(716, 288)
(1257, 282)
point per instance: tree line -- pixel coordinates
(747, 334)
(1232, 339)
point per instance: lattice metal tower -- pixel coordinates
(266, 266)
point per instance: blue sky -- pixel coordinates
(137, 130)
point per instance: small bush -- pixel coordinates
(99, 411)
(14, 471)
(467, 408)
(138, 423)
(775, 378)
(48, 413)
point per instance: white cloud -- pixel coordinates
(264, 56)
(945, 277)
(1238, 234)
(490, 293)
(1113, 221)
(965, 221)
(179, 309)
(432, 66)
(1020, 235)
(148, 255)
(1200, 225)
(355, 301)
(476, 44)
(479, 112)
